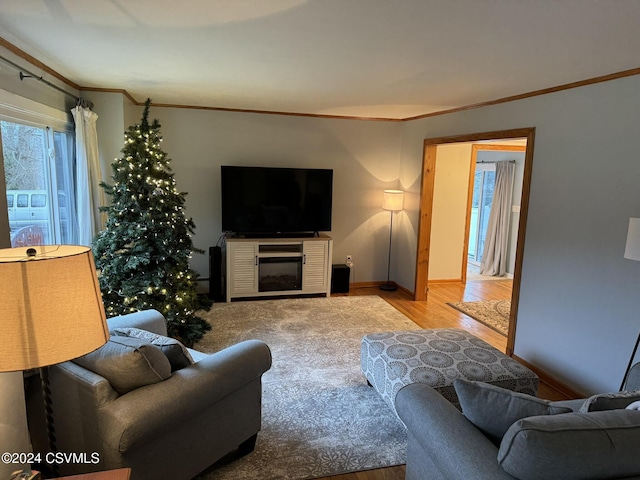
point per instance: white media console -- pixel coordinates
(263, 267)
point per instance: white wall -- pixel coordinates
(578, 312)
(110, 107)
(450, 192)
(363, 154)
(32, 88)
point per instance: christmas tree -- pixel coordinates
(143, 253)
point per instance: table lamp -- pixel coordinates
(632, 252)
(51, 311)
(391, 200)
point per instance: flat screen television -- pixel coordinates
(276, 201)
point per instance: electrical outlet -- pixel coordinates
(349, 261)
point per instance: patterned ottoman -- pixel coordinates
(437, 357)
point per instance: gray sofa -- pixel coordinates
(172, 428)
(444, 443)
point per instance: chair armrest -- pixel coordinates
(149, 320)
(453, 444)
(153, 410)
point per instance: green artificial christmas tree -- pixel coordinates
(142, 255)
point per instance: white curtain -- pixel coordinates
(494, 255)
(89, 194)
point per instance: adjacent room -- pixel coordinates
(309, 239)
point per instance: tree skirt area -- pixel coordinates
(320, 417)
(493, 313)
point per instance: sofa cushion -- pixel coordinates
(175, 351)
(573, 446)
(127, 363)
(609, 401)
(494, 409)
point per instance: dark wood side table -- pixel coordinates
(119, 474)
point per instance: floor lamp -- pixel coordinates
(391, 200)
(51, 311)
(632, 252)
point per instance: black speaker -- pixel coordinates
(216, 284)
(340, 274)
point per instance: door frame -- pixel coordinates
(430, 146)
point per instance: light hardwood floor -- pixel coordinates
(435, 313)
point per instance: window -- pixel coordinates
(483, 184)
(38, 165)
(38, 200)
(23, 201)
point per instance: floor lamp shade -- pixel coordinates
(51, 308)
(392, 200)
(632, 248)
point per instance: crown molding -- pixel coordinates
(582, 83)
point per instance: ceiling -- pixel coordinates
(368, 58)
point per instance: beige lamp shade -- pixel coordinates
(51, 308)
(392, 200)
(632, 249)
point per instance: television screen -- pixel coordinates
(265, 200)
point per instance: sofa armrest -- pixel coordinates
(154, 410)
(77, 393)
(452, 443)
(149, 320)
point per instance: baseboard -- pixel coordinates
(400, 288)
(445, 280)
(551, 381)
(406, 291)
(366, 284)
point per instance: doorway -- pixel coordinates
(484, 158)
(426, 213)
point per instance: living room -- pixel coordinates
(573, 257)
(577, 309)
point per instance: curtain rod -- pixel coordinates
(24, 73)
(497, 161)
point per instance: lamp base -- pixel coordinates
(388, 287)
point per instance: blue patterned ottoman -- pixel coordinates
(437, 357)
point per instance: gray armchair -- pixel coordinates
(173, 428)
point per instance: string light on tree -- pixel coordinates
(143, 253)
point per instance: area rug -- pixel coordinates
(493, 313)
(320, 418)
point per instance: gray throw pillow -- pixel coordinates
(609, 401)
(494, 409)
(127, 363)
(175, 351)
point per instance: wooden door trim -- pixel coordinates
(426, 206)
(424, 223)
